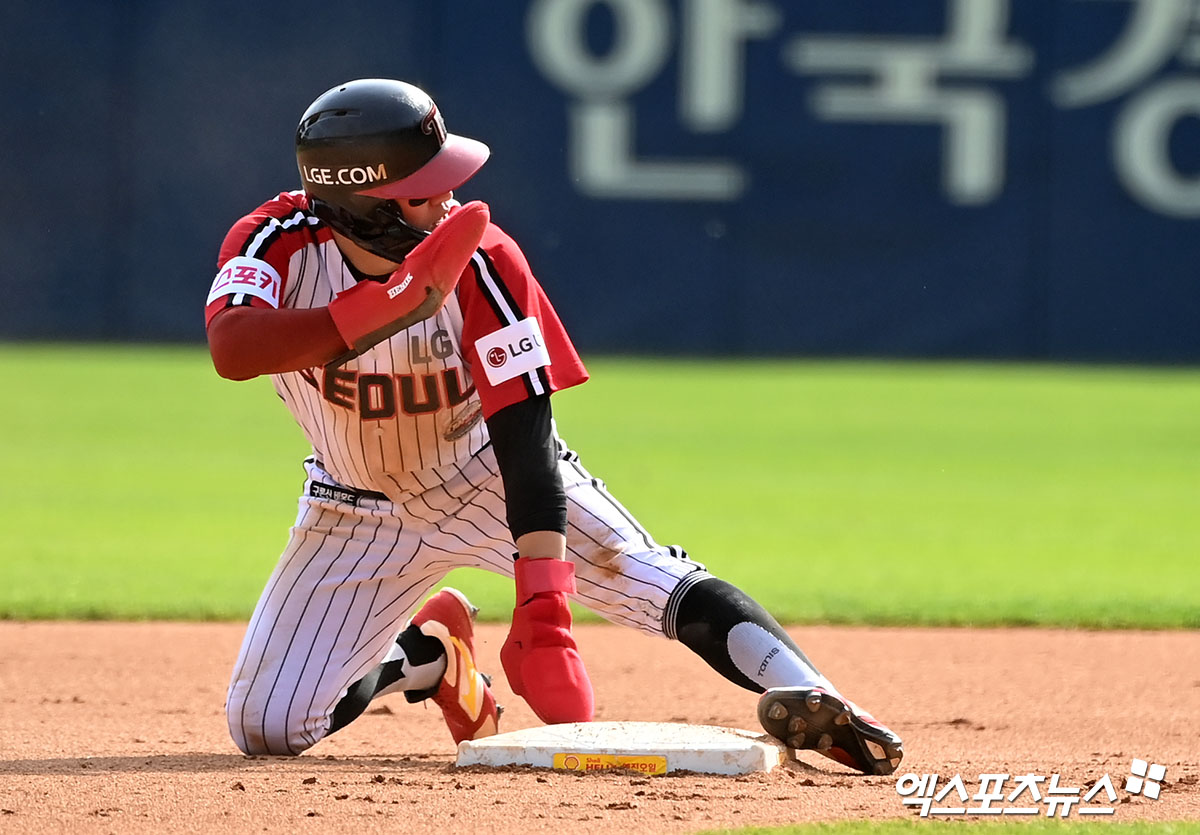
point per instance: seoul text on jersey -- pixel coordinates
(377, 396)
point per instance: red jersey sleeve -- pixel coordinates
(513, 341)
(252, 267)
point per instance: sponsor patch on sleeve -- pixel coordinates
(512, 351)
(249, 276)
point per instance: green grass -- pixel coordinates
(1038, 827)
(915, 493)
(137, 484)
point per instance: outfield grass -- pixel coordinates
(137, 484)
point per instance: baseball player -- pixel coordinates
(409, 339)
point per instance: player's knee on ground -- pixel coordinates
(258, 726)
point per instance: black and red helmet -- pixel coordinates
(367, 142)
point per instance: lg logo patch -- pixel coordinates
(512, 351)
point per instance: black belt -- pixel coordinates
(346, 495)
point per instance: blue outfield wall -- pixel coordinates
(934, 178)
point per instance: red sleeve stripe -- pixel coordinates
(507, 311)
(271, 229)
(502, 302)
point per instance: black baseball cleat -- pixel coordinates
(812, 719)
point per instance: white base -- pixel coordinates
(645, 747)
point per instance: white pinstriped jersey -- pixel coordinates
(417, 400)
(407, 420)
(407, 404)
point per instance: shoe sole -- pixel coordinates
(810, 719)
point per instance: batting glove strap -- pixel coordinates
(543, 574)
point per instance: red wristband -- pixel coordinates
(535, 575)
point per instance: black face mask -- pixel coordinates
(382, 231)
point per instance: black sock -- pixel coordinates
(418, 648)
(737, 637)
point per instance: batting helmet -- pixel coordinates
(368, 142)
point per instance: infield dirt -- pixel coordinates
(118, 727)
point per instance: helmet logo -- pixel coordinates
(357, 176)
(433, 124)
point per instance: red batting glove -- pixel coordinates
(539, 656)
(371, 311)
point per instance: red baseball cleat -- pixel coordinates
(464, 695)
(811, 718)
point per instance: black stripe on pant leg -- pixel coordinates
(671, 612)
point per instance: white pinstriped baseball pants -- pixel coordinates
(353, 572)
